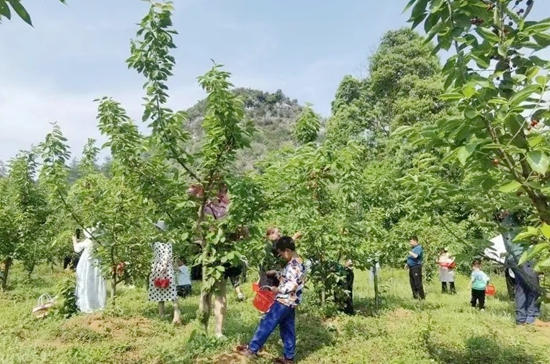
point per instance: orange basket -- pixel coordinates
(255, 287)
(490, 290)
(263, 300)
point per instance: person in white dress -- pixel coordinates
(91, 291)
(163, 269)
(446, 271)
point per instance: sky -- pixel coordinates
(76, 53)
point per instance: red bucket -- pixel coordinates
(490, 290)
(263, 300)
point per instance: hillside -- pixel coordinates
(273, 115)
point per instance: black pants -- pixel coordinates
(415, 277)
(451, 285)
(478, 297)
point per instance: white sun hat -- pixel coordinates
(161, 225)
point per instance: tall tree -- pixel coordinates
(498, 82)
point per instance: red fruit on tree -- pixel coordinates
(495, 161)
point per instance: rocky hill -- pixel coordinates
(273, 115)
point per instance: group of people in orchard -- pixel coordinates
(478, 279)
(283, 272)
(522, 280)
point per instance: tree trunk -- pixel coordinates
(7, 265)
(113, 275)
(30, 270)
(205, 302)
(113, 287)
(376, 291)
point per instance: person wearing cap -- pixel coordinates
(446, 271)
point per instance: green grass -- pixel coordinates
(443, 329)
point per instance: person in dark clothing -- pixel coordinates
(236, 275)
(526, 286)
(71, 261)
(345, 299)
(414, 264)
(271, 261)
(527, 293)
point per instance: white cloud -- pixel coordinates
(27, 111)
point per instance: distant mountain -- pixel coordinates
(273, 114)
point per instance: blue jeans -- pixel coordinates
(284, 317)
(526, 294)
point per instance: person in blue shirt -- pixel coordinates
(414, 264)
(478, 284)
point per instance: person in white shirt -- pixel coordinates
(183, 287)
(446, 271)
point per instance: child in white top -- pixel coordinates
(183, 287)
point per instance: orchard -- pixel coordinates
(416, 147)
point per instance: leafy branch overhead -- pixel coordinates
(498, 79)
(9, 6)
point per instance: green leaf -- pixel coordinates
(538, 161)
(535, 139)
(481, 62)
(532, 72)
(468, 90)
(5, 10)
(533, 252)
(543, 264)
(408, 5)
(453, 96)
(431, 20)
(497, 101)
(524, 94)
(503, 50)
(419, 9)
(542, 39)
(487, 34)
(20, 10)
(529, 233)
(470, 113)
(510, 187)
(545, 230)
(538, 27)
(464, 152)
(541, 80)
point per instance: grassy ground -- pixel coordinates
(443, 329)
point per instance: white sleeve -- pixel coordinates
(78, 247)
